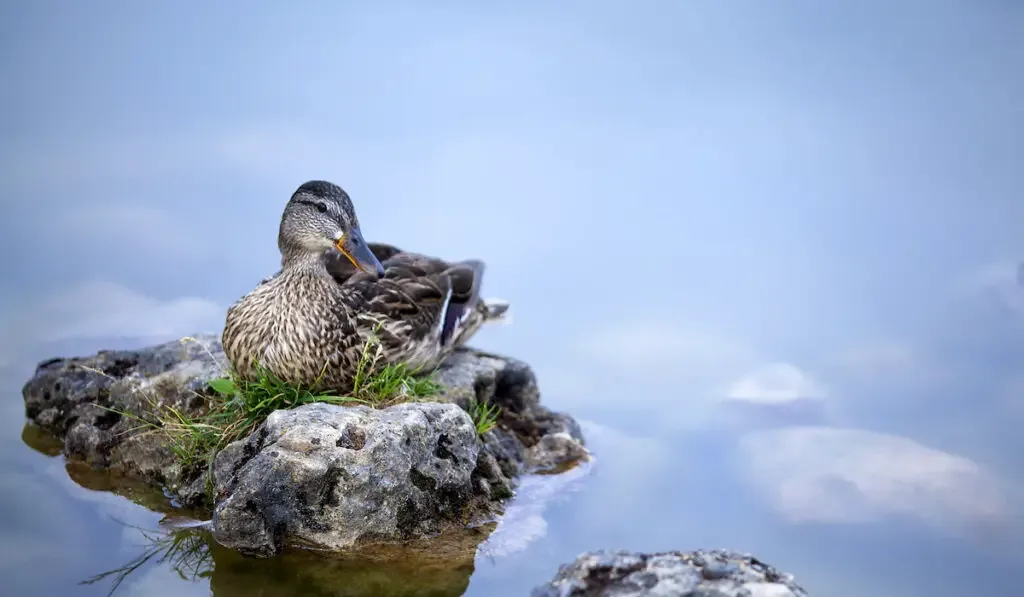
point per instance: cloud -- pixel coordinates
(672, 372)
(774, 394)
(693, 377)
(716, 376)
(830, 475)
(775, 383)
(104, 309)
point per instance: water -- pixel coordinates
(644, 492)
(768, 255)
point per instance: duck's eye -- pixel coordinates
(321, 207)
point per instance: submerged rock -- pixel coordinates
(701, 573)
(319, 475)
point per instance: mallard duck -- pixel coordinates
(310, 321)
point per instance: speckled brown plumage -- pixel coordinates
(316, 314)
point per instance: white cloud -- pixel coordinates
(830, 475)
(103, 309)
(662, 365)
(775, 383)
(774, 395)
(718, 378)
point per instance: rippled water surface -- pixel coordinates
(768, 255)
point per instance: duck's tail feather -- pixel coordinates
(496, 311)
(467, 311)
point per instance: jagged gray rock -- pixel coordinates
(328, 476)
(700, 573)
(75, 398)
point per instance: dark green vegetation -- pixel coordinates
(485, 416)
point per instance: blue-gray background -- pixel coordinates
(768, 251)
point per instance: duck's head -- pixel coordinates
(320, 217)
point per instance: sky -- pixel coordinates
(798, 220)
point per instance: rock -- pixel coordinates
(75, 400)
(332, 477)
(531, 435)
(701, 573)
(280, 486)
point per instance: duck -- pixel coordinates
(309, 323)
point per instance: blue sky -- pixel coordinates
(683, 201)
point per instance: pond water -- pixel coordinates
(769, 256)
(849, 511)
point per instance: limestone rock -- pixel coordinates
(701, 573)
(280, 486)
(331, 477)
(78, 400)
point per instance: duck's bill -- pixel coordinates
(356, 250)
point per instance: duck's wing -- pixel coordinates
(420, 297)
(383, 251)
(341, 268)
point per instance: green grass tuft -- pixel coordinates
(237, 406)
(485, 416)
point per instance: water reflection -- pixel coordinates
(439, 567)
(41, 441)
(186, 552)
(136, 490)
(436, 568)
